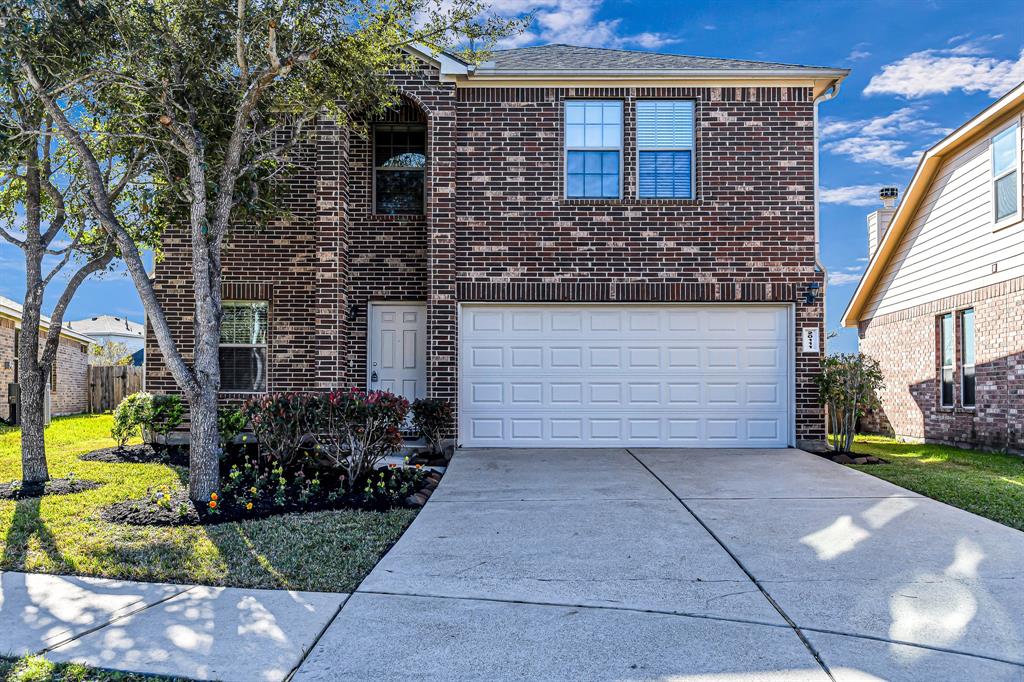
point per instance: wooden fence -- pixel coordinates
(109, 385)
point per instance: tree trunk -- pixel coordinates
(32, 384)
(204, 452)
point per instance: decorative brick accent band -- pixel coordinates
(574, 292)
(963, 300)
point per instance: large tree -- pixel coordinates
(42, 211)
(219, 93)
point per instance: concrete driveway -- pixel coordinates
(682, 564)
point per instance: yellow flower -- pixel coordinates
(213, 496)
(249, 506)
(253, 490)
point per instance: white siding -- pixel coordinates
(950, 246)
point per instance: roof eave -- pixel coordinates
(483, 72)
(916, 190)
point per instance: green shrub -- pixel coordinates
(433, 418)
(231, 421)
(847, 387)
(147, 415)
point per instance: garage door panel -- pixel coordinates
(615, 375)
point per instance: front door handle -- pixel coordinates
(373, 377)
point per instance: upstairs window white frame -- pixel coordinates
(593, 149)
(665, 132)
(1006, 176)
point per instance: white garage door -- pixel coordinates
(614, 375)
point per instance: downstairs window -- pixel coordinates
(243, 347)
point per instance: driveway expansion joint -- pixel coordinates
(570, 605)
(778, 607)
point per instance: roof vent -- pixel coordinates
(888, 196)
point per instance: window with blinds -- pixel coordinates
(664, 140)
(243, 347)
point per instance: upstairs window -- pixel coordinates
(946, 348)
(664, 140)
(593, 149)
(967, 379)
(1006, 189)
(243, 347)
(400, 164)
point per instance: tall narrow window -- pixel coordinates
(243, 347)
(947, 349)
(664, 140)
(1005, 174)
(967, 379)
(400, 164)
(593, 149)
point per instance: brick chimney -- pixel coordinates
(878, 221)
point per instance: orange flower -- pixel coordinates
(249, 506)
(213, 496)
(213, 504)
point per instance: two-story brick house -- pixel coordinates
(941, 303)
(575, 246)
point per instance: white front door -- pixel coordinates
(622, 375)
(397, 355)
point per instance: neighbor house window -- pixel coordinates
(400, 166)
(593, 149)
(967, 379)
(243, 347)
(946, 349)
(664, 140)
(1006, 174)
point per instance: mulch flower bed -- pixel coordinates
(174, 508)
(16, 490)
(139, 454)
(843, 458)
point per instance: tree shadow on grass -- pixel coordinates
(27, 523)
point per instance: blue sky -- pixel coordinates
(919, 70)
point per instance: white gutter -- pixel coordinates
(831, 92)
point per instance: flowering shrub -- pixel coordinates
(433, 418)
(148, 414)
(284, 423)
(360, 429)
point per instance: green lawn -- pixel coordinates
(986, 483)
(38, 669)
(324, 551)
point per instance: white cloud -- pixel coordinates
(856, 55)
(853, 195)
(573, 22)
(883, 140)
(964, 67)
(839, 279)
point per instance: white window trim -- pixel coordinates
(942, 362)
(265, 345)
(692, 150)
(964, 365)
(1014, 218)
(566, 148)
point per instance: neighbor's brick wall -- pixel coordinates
(497, 228)
(906, 344)
(70, 395)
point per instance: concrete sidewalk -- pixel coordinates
(217, 633)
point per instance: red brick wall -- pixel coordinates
(497, 228)
(907, 346)
(70, 394)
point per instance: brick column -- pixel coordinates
(331, 195)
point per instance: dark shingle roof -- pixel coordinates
(573, 58)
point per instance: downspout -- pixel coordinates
(831, 92)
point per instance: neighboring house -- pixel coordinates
(107, 328)
(575, 246)
(941, 304)
(69, 382)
